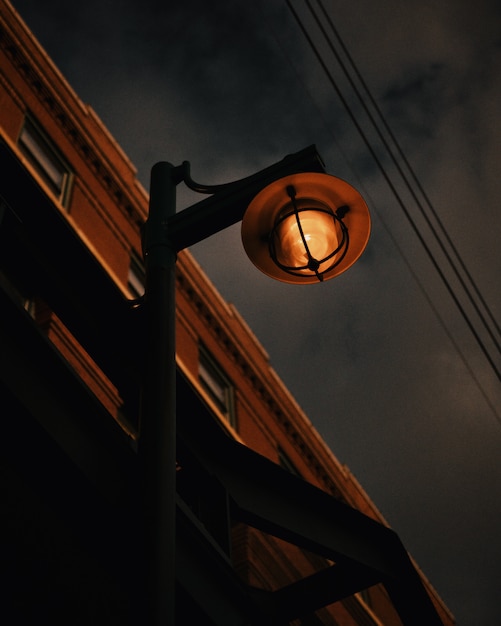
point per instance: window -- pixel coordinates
(136, 279)
(217, 385)
(44, 157)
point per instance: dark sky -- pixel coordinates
(381, 359)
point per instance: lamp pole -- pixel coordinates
(157, 444)
(166, 233)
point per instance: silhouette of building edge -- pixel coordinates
(71, 275)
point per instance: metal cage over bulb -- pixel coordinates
(306, 228)
(308, 237)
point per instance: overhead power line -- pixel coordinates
(407, 262)
(405, 179)
(415, 179)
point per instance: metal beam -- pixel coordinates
(325, 587)
(271, 499)
(227, 207)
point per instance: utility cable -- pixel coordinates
(441, 321)
(399, 169)
(408, 265)
(413, 176)
(392, 186)
(395, 243)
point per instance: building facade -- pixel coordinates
(71, 281)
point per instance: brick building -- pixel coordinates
(71, 276)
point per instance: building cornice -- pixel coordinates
(16, 41)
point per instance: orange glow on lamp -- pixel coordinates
(306, 228)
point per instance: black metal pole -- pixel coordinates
(157, 443)
(163, 237)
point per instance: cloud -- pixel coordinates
(232, 87)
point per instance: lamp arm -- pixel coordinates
(228, 202)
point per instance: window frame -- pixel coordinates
(217, 385)
(46, 159)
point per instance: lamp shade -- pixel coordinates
(306, 228)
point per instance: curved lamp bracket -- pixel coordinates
(194, 186)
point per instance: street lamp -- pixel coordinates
(361, 551)
(299, 226)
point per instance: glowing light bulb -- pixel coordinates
(320, 236)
